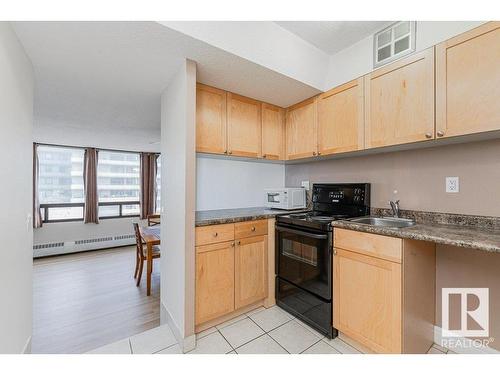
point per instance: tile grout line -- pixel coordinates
(224, 337)
(310, 346)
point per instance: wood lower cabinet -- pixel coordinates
(231, 269)
(244, 127)
(214, 280)
(368, 300)
(301, 130)
(250, 270)
(399, 101)
(384, 291)
(273, 132)
(341, 119)
(468, 82)
(210, 119)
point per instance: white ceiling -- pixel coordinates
(103, 80)
(333, 36)
(110, 75)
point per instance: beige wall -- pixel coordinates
(419, 177)
(16, 124)
(178, 201)
(465, 268)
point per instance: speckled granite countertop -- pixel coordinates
(474, 237)
(235, 215)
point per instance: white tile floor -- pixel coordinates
(261, 331)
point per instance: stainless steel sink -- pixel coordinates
(390, 222)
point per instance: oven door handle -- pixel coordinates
(306, 234)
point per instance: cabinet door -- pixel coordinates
(367, 295)
(210, 119)
(468, 82)
(250, 270)
(273, 132)
(244, 126)
(214, 281)
(399, 101)
(341, 119)
(301, 130)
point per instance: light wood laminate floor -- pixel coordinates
(87, 300)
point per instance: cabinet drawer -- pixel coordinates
(250, 228)
(375, 245)
(214, 233)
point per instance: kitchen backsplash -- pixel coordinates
(417, 177)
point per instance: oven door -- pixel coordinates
(304, 258)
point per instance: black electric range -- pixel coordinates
(304, 252)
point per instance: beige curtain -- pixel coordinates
(148, 184)
(91, 210)
(37, 215)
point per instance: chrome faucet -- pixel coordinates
(395, 208)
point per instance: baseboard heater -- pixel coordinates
(67, 247)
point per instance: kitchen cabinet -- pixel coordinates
(273, 132)
(244, 126)
(301, 130)
(399, 101)
(210, 119)
(384, 291)
(214, 280)
(231, 269)
(341, 119)
(468, 82)
(250, 270)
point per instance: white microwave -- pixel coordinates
(286, 198)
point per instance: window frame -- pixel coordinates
(47, 206)
(120, 203)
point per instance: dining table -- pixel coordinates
(151, 236)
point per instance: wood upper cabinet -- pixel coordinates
(341, 119)
(468, 82)
(368, 300)
(214, 281)
(301, 129)
(250, 270)
(273, 132)
(244, 126)
(210, 119)
(399, 101)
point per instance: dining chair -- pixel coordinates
(153, 219)
(141, 254)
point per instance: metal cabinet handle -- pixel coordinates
(216, 234)
(232, 244)
(229, 152)
(314, 153)
(428, 135)
(334, 252)
(253, 229)
(440, 133)
(264, 156)
(239, 242)
(319, 152)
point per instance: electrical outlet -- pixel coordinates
(452, 185)
(305, 184)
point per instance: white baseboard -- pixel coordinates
(27, 347)
(186, 343)
(461, 345)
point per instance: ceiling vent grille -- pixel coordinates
(393, 42)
